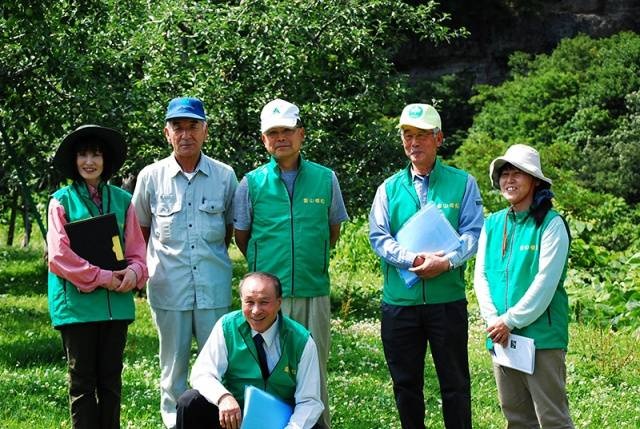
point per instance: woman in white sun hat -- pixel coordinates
(519, 274)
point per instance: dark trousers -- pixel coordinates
(94, 355)
(406, 331)
(195, 412)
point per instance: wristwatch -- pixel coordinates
(450, 265)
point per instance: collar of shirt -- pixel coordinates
(94, 193)
(270, 334)
(273, 164)
(420, 177)
(175, 169)
(421, 185)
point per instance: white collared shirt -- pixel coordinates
(211, 365)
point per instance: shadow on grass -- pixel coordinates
(31, 352)
(141, 345)
(22, 272)
(28, 338)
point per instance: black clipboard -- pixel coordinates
(97, 240)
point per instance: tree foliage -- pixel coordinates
(63, 64)
(118, 63)
(585, 94)
(579, 107)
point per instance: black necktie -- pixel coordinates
(262, 356)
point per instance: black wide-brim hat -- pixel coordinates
(113, 140)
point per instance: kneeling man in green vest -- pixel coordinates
(255, 346)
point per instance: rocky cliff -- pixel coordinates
(499, 27)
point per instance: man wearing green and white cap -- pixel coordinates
(433, 311)
(287, 216)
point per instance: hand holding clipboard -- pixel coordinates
(97, 239)
(426, 231)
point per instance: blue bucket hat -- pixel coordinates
(185, 107)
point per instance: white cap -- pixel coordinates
(522, 157)
(278, 113)
(423, 116)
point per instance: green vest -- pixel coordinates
(290, 236)
(509, 277)
(243, 367)
(68, 305)
(447, 186)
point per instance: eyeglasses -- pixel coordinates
(421, 136)
(275, 133)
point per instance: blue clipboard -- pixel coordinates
(426, 231)
(263, 410)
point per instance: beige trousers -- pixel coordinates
(537, 400)
(315, 314)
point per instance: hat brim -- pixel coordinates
(423, 125)
(280, 122)
(185, 116)
(113, 139)
(496, 165)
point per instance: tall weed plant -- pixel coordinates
(355, 272)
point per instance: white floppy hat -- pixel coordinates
(278, 113)
(522, 157)
(423, 116)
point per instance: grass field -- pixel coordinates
(603, 367)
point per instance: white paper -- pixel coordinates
(426, 231)
(520, 353)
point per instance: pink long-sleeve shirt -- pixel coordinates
(65, 263)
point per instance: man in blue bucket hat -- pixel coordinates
(184, 203)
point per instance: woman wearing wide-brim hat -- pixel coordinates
(520, 270)
(93, 306)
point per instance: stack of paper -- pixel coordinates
(519, 354)
(426, 231)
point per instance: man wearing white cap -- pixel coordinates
(434, 310)
(287, 216)
(529, 241)
(184, 205)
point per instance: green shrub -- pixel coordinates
(356, 283)
(585, 94)
(579, 106)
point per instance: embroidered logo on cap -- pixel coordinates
(415, 112)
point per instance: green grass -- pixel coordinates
(603, 366)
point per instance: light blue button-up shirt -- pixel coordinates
(189, 266)
(469, 224)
